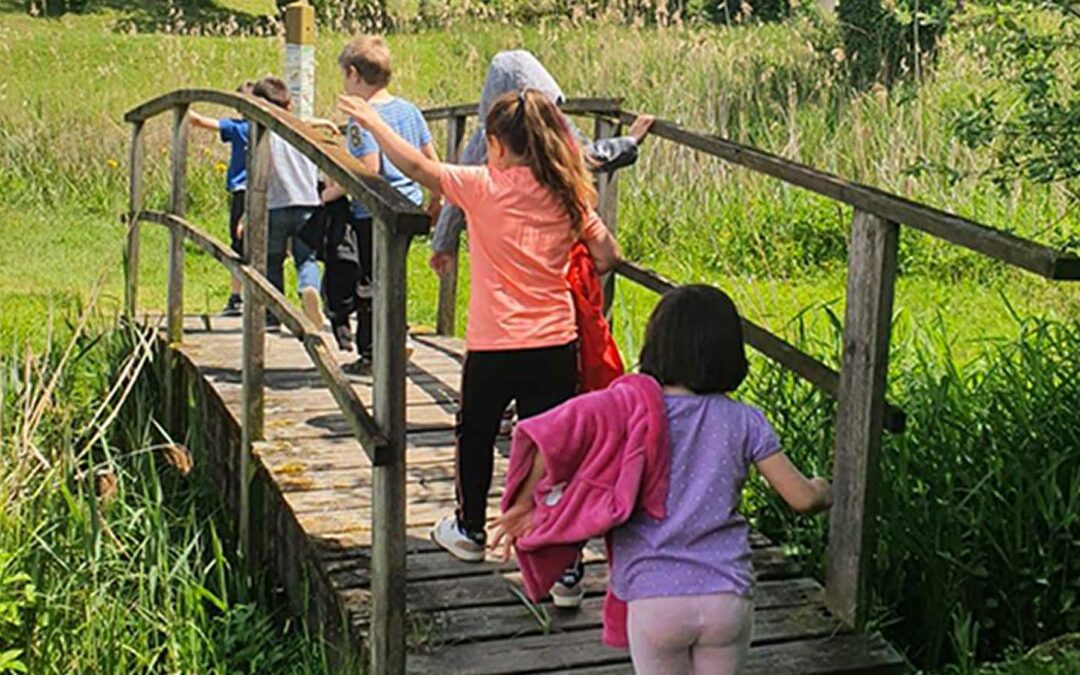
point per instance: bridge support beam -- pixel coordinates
(860, 412)
(387, 635)
(252, 413)
(448, 283)
(607, 205)
(174, 394)
(136, 198)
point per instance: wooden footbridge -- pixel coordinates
(335, 501)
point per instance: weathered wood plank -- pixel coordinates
(607, 204)
(573, 106)
(845, 653)
(478, 624)
(448, 282)
(769, 564)
(175, 284)
(136, 200)
(492, 590)
(861, 410)
(581, 651)
(386, 641)
(252, 420)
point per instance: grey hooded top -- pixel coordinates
(513, 71)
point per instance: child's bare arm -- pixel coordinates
(410, 160)
(802, 494)
(202, 121)
(435, 197)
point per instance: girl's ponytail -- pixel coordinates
(531, 126)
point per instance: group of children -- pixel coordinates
(657, 461)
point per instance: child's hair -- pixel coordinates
(273, 89)
(530, 125)
(370, 56)
(246, 88)
(694, 339)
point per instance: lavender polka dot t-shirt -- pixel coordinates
(702, 546)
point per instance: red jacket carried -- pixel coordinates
(599, 362)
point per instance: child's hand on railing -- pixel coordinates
(442, 263)
(641, 127)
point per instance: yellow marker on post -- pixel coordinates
(300, 56)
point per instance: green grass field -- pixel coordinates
(983, 357)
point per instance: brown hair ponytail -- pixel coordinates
(531, 126)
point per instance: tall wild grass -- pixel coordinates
(978, 525)
(114, 557)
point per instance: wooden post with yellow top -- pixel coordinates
(300, 57)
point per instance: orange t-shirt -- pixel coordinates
(519, 251)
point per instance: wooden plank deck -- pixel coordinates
(464, 617)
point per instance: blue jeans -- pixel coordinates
(284, 224)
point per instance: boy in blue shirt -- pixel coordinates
(235, 133)
(365, 66)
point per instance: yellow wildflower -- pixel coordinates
(220, 167)
(112, 163)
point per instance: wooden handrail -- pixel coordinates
(360, 421)
(382, 200)
(573, 106)
(770, 345)
(998, 244)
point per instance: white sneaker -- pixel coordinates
(448, 534)
(309, 298)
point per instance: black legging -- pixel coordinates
(538, 379)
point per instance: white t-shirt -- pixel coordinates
(293, 177)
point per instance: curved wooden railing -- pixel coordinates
(859, 387)
(381, 433)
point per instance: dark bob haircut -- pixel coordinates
(694, 339)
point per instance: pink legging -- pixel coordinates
(700, 634)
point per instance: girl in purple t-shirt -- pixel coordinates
(688, 577)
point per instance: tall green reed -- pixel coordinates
(116, 543)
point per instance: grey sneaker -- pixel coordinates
(469, 547)
(568, 591)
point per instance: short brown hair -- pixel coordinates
(273, 89)
(370, 56)
(694, 339)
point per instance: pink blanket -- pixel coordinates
(605, 456)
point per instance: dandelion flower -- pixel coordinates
(112, 163)
(220, 167)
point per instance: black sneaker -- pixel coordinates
(361, 366)
(234, 306)
(343, 335)
(568, 591)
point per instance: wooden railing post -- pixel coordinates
(387, 639)
(136, 195)
(255, 234)
(860, 412)
(607, 204)
(174, 396)
(455, 133)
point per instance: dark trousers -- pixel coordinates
(537, 379)
(237, 201)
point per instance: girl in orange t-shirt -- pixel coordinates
(524, 209)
